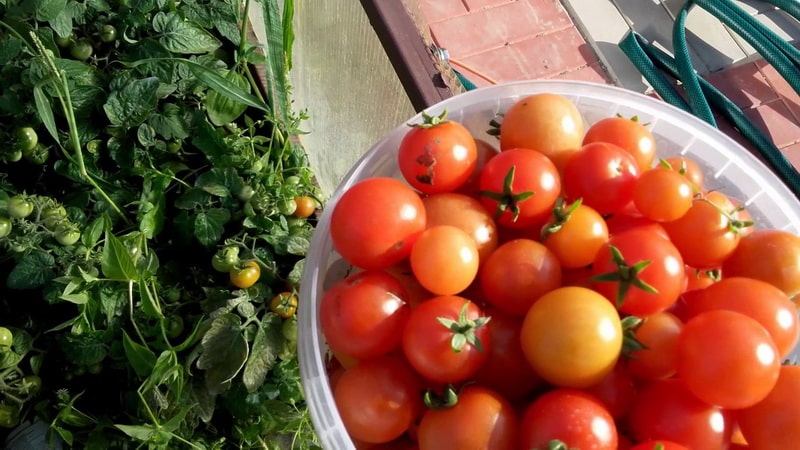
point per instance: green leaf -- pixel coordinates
(264, 353)
(91, 234)
(153, 204)
(225, 352)
(139, 432)
(116, 262)
(83, 349)
(224, 87)
(33, 271)
(169, 122)
(209, 225)
(222, 110)
(47, 10)
(141, 358)
(146, 135)
(10, 48)
(45, 111)
(112, 301)
(131, 105)
(275, 70)
(182, 36)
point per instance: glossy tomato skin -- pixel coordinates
(603, 175)
(466, 213)
(486, 151)
(665, 409)
(517, 273)
(572, 337)
(748, 359)
(575, 235)
(428, 344)
(545, 122)
(376, 221)
(481, 418)
(437, 157)
(531, 194)
(444, 259)
(506, 371)
(629, 134)
(778, 256)
(378, 399)
(363, 315)
(662, 194)
(689, 168)
(758, 299)
(774, 422)
(664, 272)
(659, 445)
(616, 391)
(659, 334)
(574, 417)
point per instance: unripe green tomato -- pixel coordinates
(19, 207)
(81, 49)
(287, 206)
(25, 138)
(53, 215)
(6, 337)
(5, 227)
(37, 155)
(67, 234)
(108, 33)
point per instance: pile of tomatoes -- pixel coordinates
(571, 290)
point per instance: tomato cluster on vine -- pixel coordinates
(571, 287)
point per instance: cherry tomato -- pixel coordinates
(37, 155)
(481, 418)
(699, 279)
(175, 327)
(707, 234)
(735, 375)
(575, 234)
(9, 415)
(225, 259)
(662, 195)
(506, 371)
(603, 175)
(81, 49)
(640, 271)
(466, 213)
(305, 206)
(25, 139)
(615, 391)
(572, 337)
(574, 417)
(67, 234)
(629, 134)
(437, 155)
(6, 337)
(378, 399)
(376, 221)
(5, 226)
(363, 316)
(517, 273)
(659, 445)
(108, 33)
(446, 339)
(415, 291)
(619, 223)
(53, 215)
(774, 422)
(689, 168)
(765, 303)
(486, 151)
(665, 409)
(444, 259)
(284, 304)
(519, 187)
(548, 123)
(245, 275)
(19, 206)
(778, 256)
(658, 333)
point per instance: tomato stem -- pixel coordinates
(508, 200)
(561, 214)
(626, 275)
(429, 121)
(464, 329)
(445, 400)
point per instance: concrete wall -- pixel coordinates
(343, 78)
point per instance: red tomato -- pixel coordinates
(778, 256)
(415, 291)
(519, 187)
(699, 279)
(757, 299)
(659, 445)
(642, 273)
(658, 333)
(575, 234)
(616, 391)
(506, 371)
(603, 175)
(548, 123)
(662, 195)
(774, 422)
(467, 213)
(664, 409)
(446, 339)
(572, 337)
(444, 259)
(629, 134)
(517, 273)
(378, 399)
(486, 151)
(689, 168)
(705, 235)
(437, 155)
(622, 222)
(375, 222)
(481, 419)
(363, 315)
(575, 418)
(735, 375)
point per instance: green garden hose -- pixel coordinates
(700, 95)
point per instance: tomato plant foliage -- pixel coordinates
(149, 124)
